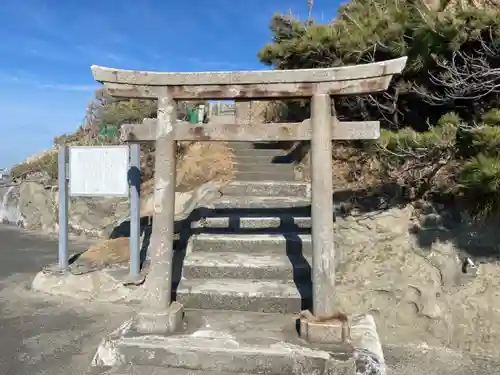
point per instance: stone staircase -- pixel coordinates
(251, 251)
(261, 162)
(248, 253)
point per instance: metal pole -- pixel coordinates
(63, 207)
(323, 270)
(134, 180)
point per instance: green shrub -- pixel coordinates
(441, 127)
(492, 117)
(479, 181)
(486, 140)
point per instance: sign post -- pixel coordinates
(134, 181)
(62, 170)
(100, 171)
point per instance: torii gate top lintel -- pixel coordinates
(353, 79)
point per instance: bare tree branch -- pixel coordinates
(470, 76)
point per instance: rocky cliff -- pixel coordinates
(33, 205)
(425, 273)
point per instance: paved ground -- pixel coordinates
(41, 334)
(414, 360)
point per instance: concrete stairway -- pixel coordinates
(251, 251)
(261, 162)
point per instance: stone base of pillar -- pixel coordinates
(150, 321)
(336, 330)
(355, 336)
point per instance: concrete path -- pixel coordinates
(41, 334)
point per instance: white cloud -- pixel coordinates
(26, 79)
(66, 87)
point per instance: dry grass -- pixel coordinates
(352, 169)
(35, 158)
(44, 163)
(200, 162)
(108, 252)
(203, 162)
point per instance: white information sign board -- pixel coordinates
(98, 171)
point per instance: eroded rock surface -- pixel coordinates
(405, 266)
(33, 205)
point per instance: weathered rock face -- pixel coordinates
(35, 206)
(32, 205)
(405, 266)
(9, 206)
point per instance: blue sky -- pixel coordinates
(48, 46)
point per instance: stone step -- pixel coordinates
(234, 223)
(255, 202)
(263, 159)
(240, 145)
(272, 266)
(235, 213)
(265, 168)
(268, 189)
(256, 145)
(286, 244)
(222, 342)
(399, 360)
(267, 296)
(251, 152)
(130, 369)
(272, 145)
(257, 176)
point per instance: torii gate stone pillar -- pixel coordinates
(158, 315)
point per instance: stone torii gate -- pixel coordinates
(159, 315)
